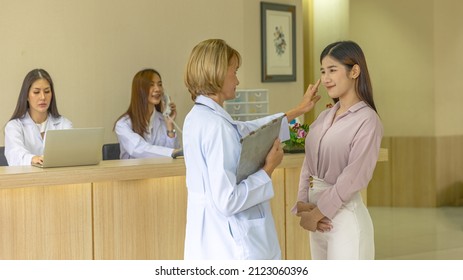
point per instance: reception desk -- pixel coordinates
(122, 209)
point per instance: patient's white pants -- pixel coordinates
(352, 235)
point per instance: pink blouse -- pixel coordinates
(343, 153)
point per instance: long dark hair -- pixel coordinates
(22, 106)
(349, 53)
(138, 108)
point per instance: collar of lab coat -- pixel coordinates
(156, 115)
(243, 128)
(206, 101)
(151, 127)
(51, 121)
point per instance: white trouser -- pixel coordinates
(352, 236)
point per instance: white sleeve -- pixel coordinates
(135, 145)
(247, 127)
(16, 152)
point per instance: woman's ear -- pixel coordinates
(355, 72)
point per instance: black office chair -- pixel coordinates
(111, 151)
(3, 161)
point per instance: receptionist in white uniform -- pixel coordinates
(226, 219)
(143, 131)
(36, 112)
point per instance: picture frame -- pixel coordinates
(278, 42)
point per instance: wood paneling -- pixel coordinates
(449, 174)
(145, 219)
(140, 219)
(46, 222)
(380, 187)
(421, 172)
(278, 207)
(413, 171)
(297, 239)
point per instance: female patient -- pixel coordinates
(36, 112)
(143, 131)
(341, 148)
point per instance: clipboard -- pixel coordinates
(255, 147)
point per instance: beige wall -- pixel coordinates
(398, 41)
(448, 67)
(92, 49)
(331, 23)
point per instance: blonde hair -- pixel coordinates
(207, 67)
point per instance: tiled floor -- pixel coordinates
(418, 233)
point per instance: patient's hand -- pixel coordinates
(304, 207)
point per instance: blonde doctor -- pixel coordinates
(226, 219)
(36, 112)
(143, 131)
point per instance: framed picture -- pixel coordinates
(278, 35)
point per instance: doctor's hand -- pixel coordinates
(274, 157)
(37, 160)
(310, 97)
(307, 103)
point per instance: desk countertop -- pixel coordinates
(111, 170)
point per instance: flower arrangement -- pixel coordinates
(297, 134)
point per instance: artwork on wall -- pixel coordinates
(278, 40)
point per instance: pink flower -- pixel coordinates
(297, 134)
(301, 133)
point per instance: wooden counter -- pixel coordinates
(124, 209)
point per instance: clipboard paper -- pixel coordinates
(255, 147)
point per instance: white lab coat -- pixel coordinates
(156, 143)
(23, 140)
(225, 220)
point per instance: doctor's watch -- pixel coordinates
(171, 133)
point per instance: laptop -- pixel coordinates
(72, 147)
